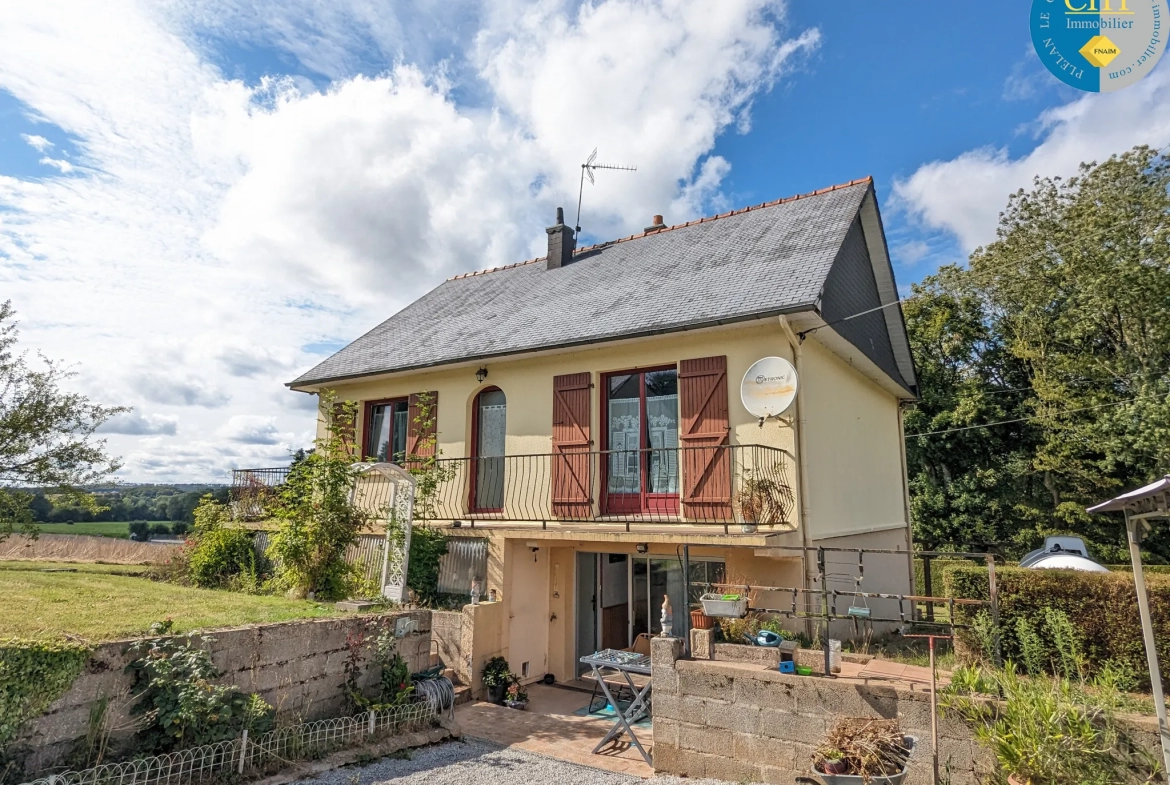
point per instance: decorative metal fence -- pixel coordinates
(267, 752)
(746, 484)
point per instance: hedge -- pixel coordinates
(1103, 606)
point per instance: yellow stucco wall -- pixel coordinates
(854, 460)
(528, 384)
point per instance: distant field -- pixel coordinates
(101, 602)
(119, 529)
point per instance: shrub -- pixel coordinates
(160, 528)
(220, 555)
(318, 518)
(180, 704)
(139, 531)
(1048, 730)
(1100, 606)
(427, 547)
(180, 528)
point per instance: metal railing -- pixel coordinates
(747, 485)
(266, 752)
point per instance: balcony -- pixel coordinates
(727, 485)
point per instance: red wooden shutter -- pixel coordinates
(572, 475)
(705, 436)
(345, 425)
(420, 441)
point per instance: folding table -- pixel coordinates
(625, 663)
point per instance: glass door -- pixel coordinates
(491, 409)
(641, 412)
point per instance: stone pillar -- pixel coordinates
(703, 644)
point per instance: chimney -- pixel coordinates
(656, 225)
(560, 242)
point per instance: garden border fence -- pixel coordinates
(245, 755)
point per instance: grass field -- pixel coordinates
(101, 602)
(120, 529)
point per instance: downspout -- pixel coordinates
(906, 496)
(801, 474)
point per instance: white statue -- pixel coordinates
(667, 616)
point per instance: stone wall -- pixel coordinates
(298, 667)
(747, 722)
(447, 632)
(735, 717)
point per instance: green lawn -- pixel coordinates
(101, 602)
(120, 529)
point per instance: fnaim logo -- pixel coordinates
(1099, 45)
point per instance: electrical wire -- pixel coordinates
(1028, 419)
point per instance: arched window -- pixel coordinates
(491, 410)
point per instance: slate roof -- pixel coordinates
(765, 260)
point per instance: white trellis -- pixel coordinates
(386, 491)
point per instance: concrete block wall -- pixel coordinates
(747, 722)
(298, 667)
(447, 636)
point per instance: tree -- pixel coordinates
(46, 433)
(1062, 323)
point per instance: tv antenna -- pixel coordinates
(587, 170)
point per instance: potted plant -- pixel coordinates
(497, 675)
(516, 696)
(700, 620)
(864, 750)
(833, 760)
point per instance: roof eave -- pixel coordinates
(303, 385)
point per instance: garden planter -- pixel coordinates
(700, 620)
(716, 605)
(857, 779)
(496, 693)
(516, 704)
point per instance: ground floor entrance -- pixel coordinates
(619, 596)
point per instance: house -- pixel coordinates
(587, 411)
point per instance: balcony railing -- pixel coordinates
(723, 485)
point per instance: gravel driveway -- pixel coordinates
(474, 762)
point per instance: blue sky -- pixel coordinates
(201, 198)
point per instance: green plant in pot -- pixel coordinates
(516, 697)
(832, 761)
(497, 675)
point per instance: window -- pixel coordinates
(641, 431)
(489, 429)
(386, 426)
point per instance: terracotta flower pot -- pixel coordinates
(700, 620)
(1014, 780)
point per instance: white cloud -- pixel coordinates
(211, 228)
(135, 424)
(38, 143)
(60, 164)
(965, 195)
(253, 429)
(159, 388)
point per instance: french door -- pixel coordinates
(641, 442)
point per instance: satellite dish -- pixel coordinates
(768, 388)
